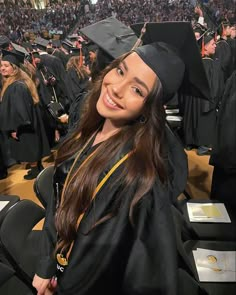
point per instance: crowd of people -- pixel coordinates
(63, 17)
(119, 167)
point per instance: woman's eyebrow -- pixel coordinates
(136, 79)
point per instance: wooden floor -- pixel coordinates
(198, 186)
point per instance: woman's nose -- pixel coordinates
(118, 89)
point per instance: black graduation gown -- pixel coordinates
(62, 56)
(18, 113)
(55, 66)
(232, 44)
(224, 55)
(223, 156)
(77, 94)
(115, 258)
(199, 118)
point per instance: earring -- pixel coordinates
(142, 119)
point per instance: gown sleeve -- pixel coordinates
(152, 264)
(46, 267)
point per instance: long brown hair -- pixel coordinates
(141, 170)
(19, 75)
(73, 63)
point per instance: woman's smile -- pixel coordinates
(109, 102)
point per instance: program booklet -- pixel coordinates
(208, 212)
(215, 266)
(3, 204)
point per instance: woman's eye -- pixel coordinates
(119, 71)
(138, 91)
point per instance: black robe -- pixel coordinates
(19, 114)
(77, 95)
(223, 156)
(200, 116)
(224, 55)
(116, 258)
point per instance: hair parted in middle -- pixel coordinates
(141, 170)
(20, 75)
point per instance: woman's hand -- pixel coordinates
(44, 286)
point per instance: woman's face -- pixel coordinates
(6, 68)
(124, 90)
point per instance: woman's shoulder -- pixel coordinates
(19, 88)
(19, 84)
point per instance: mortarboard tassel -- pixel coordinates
(139, 42)
(203, 47)
(80, 57)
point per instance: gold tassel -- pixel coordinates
(139, 42)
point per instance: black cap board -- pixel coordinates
(20, 49)
(41, 43)
(111, 35)
(28, 46)
(4, 41)
(56, 43)
(12, 57)
(180, 53)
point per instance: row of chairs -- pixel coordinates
(20, 244)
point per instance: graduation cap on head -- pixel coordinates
(12, 57)
(4, 41)
(111, 35)
(67, 44)
(174, 57)
(56, 43)
(41, 43)
(73, 37)
(20, 49)
(28, 46)
(92, 47)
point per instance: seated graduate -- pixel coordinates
(20, 117)
(109, 227)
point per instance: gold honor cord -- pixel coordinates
(60, 257)
(98, 188)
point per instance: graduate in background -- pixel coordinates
(199, 116)
(19, 114)
(109, 228)
(223, 156)
(223, 50)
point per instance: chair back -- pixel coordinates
(20, 247)
(43, 185)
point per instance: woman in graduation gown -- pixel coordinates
(19, 115)
(200, 115)
(223, 156)
(109, 227)
(77, 79)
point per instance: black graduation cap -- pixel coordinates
(28, 46)
(111, 35)
(67, 44)
(179, 52)
(20, 49)
(199, 28)
(56, 43)
(92, 47)
(208, 36)
(73, 37)
(12, 57)
(4, 41)
(41, 43)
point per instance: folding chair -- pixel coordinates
(43, 185)
(20, 245)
